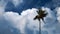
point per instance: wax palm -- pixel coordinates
(41, 15)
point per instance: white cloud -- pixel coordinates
(20, 21)
(1, 10)
(52, 26)
(50, 20)
(58, 13)
(58, 18)
(51, 16)
(26, 17)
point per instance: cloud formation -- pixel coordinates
(26, 18)
(58, 13)
(20, 21)
(11, 21)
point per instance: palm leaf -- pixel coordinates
(41, 15)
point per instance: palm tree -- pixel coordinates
(41, 15)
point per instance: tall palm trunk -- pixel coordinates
(39, 27)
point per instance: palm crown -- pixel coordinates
(41, 15)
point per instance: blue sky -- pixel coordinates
(16, 16)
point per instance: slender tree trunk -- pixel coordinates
(39, 27)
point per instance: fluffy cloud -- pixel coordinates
(26, 20)
(58, 13)
(20, 21)
(11, 20)
(50, 22)
(53, 22)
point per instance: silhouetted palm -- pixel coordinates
(41, 15)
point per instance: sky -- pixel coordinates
(16, 17)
